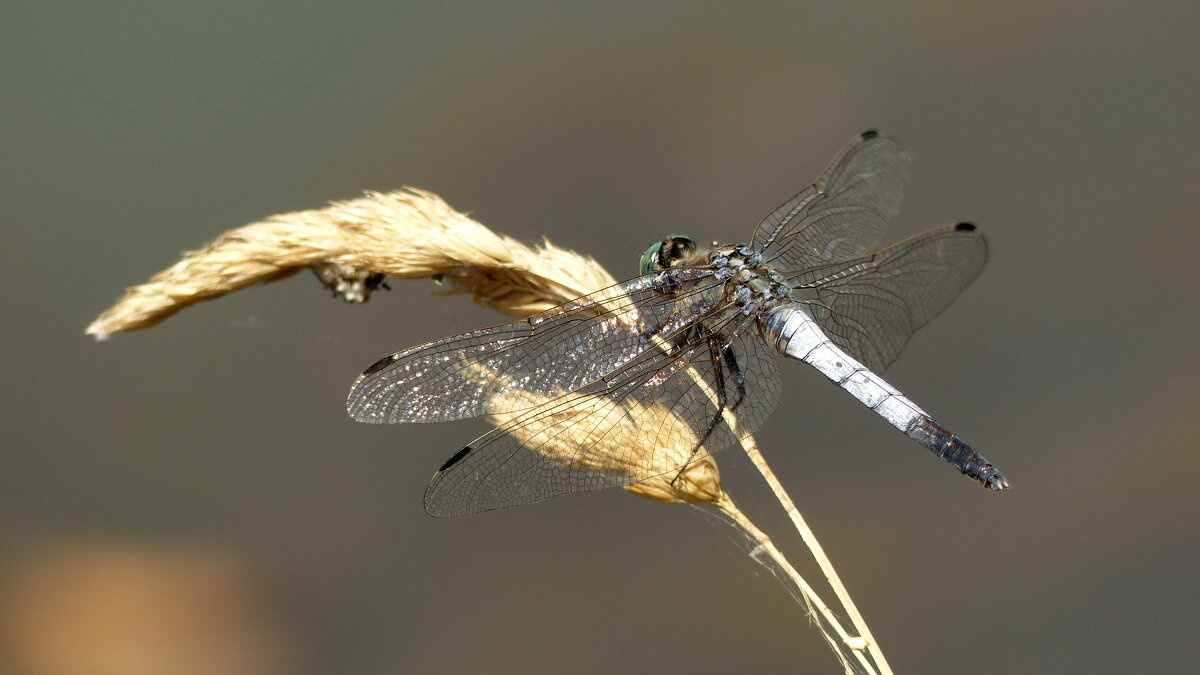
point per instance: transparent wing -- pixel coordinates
(842, 215)
(870, 306)
(646, 419)
(559, 350)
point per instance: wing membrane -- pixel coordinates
(559, 350)
(841, 216)
(644, 420)
(870, 306)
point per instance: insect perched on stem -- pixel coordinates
(642, 378)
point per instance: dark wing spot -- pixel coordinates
(965, 227)
(869, 134)
(381, 364)
(456, 458)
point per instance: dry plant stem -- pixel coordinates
(726, 506)
(410, 234)
(414, 234)
(818, 552)
(751, 447)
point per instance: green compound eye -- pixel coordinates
(650, 258)
(663, 254)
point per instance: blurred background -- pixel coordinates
(193, 498)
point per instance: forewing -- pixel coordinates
(842, 215)
(871, 306)
(560, 350)
(645, 420)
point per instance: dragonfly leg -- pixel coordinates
(715, 353)
(739, 379)
(653, 332)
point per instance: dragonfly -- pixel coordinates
(643, 378)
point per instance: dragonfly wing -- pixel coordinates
(647, 419)
(482, 372)
(842, 215)
(870, 306)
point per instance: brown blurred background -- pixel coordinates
(193, 498)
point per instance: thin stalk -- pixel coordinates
(806, 534)
(810, 540)
(414, 234)
(727, 506)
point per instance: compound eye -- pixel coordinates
(664, 254)
(651, 259)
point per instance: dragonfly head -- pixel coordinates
(667, 253)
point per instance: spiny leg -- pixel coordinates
(654, 331)
(715, 356)
(735, 370)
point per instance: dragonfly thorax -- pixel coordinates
(749, 284)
